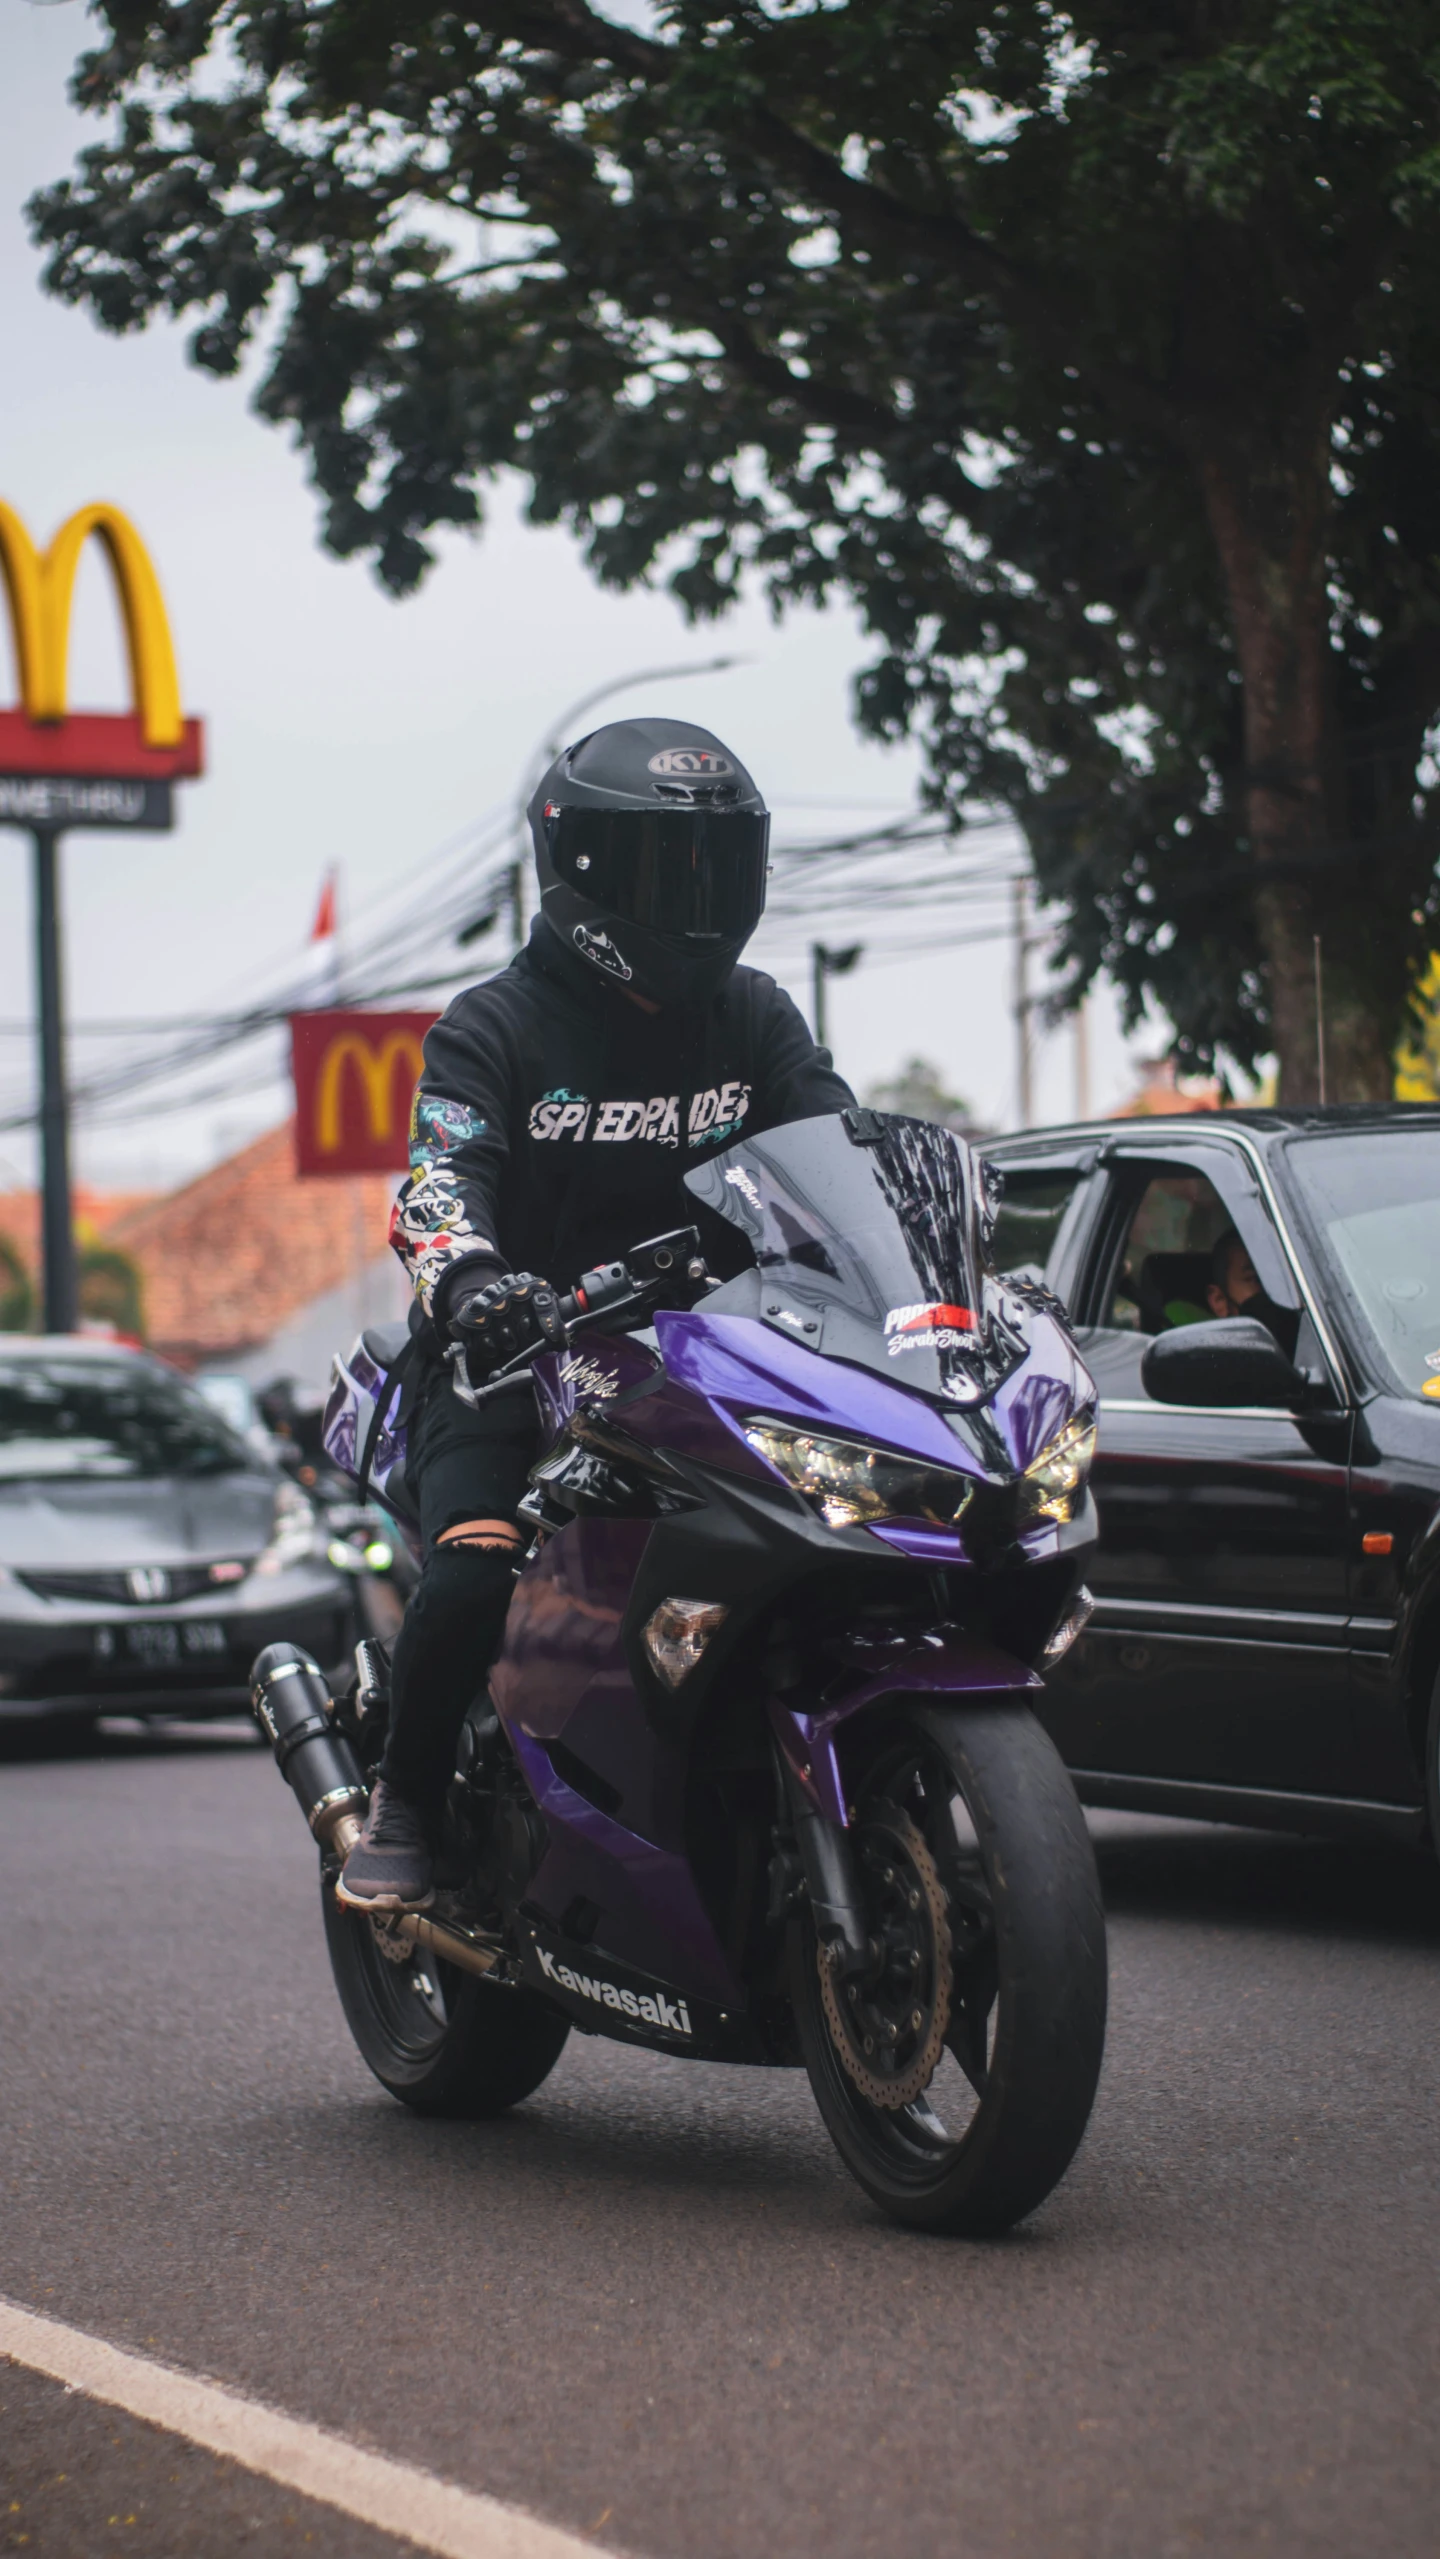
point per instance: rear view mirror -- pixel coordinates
(1234, 1361)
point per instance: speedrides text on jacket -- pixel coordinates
(554, 1119)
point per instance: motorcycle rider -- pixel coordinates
(560, 1105)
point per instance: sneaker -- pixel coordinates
(391, 1866)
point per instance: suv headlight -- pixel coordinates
(295, 1535)
(1053, 1487)
(848, 1482)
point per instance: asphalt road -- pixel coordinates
(651, 2304)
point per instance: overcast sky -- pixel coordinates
(347, 728)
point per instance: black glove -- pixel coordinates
(511, 1314)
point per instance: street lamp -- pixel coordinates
(825, 964)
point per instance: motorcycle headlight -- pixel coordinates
(1053, 1487)
(295, 1535)
(848, 1482)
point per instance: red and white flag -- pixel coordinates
(322, 975)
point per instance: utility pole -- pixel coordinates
(1082, 1058)
(1025, 1047)
(56, 1223)
(824, 965)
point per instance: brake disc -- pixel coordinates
(890, 2032)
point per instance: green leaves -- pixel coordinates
(985, 317)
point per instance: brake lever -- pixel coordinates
(574, 1308)
(516, 1371)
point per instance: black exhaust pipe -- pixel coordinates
(296, 1713)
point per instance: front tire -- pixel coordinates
(957, 2079)
(443, 2041)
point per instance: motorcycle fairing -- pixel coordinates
(563, 1690)
(605, 1752)
(599, 1369)
(353, 1421)
(603, 1995)
(865, 1225)
(886, 1661)
(735, 1366)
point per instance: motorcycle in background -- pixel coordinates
(379, 1560)
(756, 1776)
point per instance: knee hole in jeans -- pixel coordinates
(491, 1536)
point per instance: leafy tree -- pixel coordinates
(919, 1090)
(111, 1289)
(17, 1294)
(1094, 352)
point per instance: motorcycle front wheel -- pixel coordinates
(443, 2041)
(956, 2075)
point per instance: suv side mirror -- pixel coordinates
(1233, 1361)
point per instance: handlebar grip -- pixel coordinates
(597, 1289)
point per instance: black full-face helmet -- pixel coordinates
(652, 846)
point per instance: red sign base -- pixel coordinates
(102, 746)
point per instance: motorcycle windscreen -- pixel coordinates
(863, 1228)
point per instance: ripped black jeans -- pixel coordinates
(462, 1466)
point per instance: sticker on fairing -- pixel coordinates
(1431, 1387)
(645, 2008)
(585, 1377)
(936, 1328)
(1432, 1359)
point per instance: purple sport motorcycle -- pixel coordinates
(756, 1775)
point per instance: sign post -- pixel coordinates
(62, 1304)
(89, 769)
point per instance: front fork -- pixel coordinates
(827, 1859)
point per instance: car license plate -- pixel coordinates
(162, 1646)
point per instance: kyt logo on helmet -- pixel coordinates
(652, 849)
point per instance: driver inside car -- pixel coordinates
(1235, 1289)
(561, 1104)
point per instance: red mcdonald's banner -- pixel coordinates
(355, 1075)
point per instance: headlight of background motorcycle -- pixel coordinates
(295, 1537)
(1054, 1486)
(848, 1482)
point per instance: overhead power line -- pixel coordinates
(408, 942)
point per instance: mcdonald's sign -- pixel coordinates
(355, 1077)
(61, 767)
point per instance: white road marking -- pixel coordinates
(394, 2497)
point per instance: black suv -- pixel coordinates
(1257, 1295)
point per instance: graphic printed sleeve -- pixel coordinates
(797, 1080)
(444, 1219)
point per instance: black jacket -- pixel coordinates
(547, 1129)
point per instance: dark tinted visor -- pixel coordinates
(674, 870)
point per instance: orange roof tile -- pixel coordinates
(230, 1257)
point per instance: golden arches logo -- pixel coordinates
(40, 587)
(376, 1069)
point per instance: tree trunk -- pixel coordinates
(1293, 786)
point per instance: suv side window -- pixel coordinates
(1156, 1268)
(1032, 1213)
(1153, 1277)
(1163, 1273)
